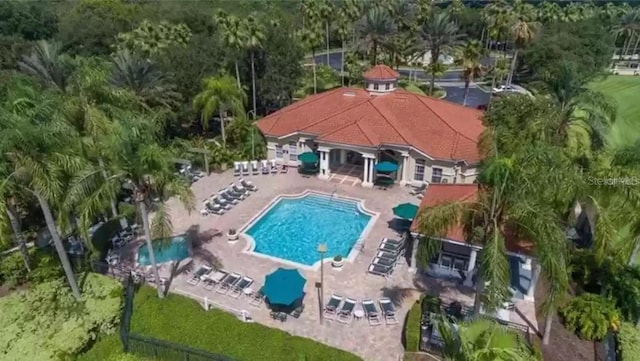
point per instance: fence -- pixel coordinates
(151, 348)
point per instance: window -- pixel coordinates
(293, 151)
(387, 86)
(375, 86)
(436, 175)
(418, 173)
(279, 151)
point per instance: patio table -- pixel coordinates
(247, 291)
(358, 314)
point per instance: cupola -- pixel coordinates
(380, 79)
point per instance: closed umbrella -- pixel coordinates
(284, 286)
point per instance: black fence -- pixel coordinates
(149, 347)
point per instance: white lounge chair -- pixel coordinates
(239, 288)
(371, 312)
(229, 282)
(389, 311)
(331, 308)
(227, 197)
(245, 168)
(274, 166)
(345, 315)
(264, 164)
(255, 168)
(199, 275)
(237, 169)
(379, 270)
(248, 185)
(384, 262)
(215, 279)
(223, 203)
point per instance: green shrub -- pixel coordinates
(108, 348)
(590, 316)
(12, 269)
(46, 323)
(412, 328)
(182, 320)
(629, 342)
(44, 267)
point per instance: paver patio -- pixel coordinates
(375, 343)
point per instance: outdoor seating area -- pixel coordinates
(219, 203)
(389, 252)
(255, 167)
(220, 281)
(346, 310)
(192, 175)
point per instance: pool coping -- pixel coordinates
(353, 253)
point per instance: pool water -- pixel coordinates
(176, 250)
(292, 228)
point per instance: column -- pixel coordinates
(405, 165)
(413, 268)
(324, 163)
(368, 171)
(343, 156)
(534, 280)
(365, 175)
(372, 171)
(471, 267)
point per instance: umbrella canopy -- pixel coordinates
(308, 157)
(406, 210)
(386, 167)
(284, 286)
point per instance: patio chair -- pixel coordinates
(234, 194)
(229, 282)
(385, 254)
(385, 262)
(239, 288)
(389, 311)
(218, 277)
(248, 185)
(237, 169)
(297, 311)
(245, 168)
(223, 203)
(345, 315)
(214, 208)
(257, 298)
(274, 166)
(371, 312)
(255, 169)
(202, 272)
(284, 168)
(228, 197)
(331, 308)
(264, 164)
(379, 270)
(394, 242)
(418, 190)
(390, 247)
(240, 190)
(208, 284)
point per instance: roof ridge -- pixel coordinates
(357, 123)
(455, 146)
(334, 114)
(348, 124)
(392, 124)
(421, 98)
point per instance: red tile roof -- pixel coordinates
(438, 128)
(437, 194)
(381, 72)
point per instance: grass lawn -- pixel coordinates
(182, 320)
(625, 90)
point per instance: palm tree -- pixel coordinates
(374, 28)
(311, 37)
(233, 35)
(470, 59)
(254, 39)
(343, 28)
(441, 36)
(219, 94)
(482, 340)
(326, 12)
(549, 12)
(522, 32)
(47, 64)
(144, 80)
(628, 27)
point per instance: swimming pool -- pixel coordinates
(292, 228)
(176, 250)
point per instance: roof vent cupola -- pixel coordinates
(380, 80)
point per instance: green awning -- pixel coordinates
(386, 167)
(406, 210)
(284, 286)
(308, 157)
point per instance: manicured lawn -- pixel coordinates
(181, 320)
(625, 90)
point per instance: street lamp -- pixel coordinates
(253, 143)
(322, 249)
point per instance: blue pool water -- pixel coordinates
(176, 250)
(292, 228)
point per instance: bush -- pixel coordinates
(108, 348)
(46, 323)
(629, 342)
(590, 316)
(12, 269)
(220, 332)
(412, 328)
(44, 267)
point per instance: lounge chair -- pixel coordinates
(218, 277)
(418, 190)
(394, 242)
(297, 311)
(210, 208)
(248, 185)
(257, 298)
(390, 247)
(208, 284)
(240, 190)
(264, 164)
(331, 308)
(378, 270)
(388, 311)
(228, 197)
(345, 315)
(371, 312)
(199, 275)
(385, 262)
(284, 168)
(385, 254)
(223, 203)
(274, 166)
(234, 194)
(255, 168)
(239, 288)
(237, 169)
(229, 282)
(245, 168)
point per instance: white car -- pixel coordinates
(503, 88)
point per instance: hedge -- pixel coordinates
(629, 342)
(182, 320)
(412, 328)
(108, 348)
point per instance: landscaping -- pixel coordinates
(624, 90)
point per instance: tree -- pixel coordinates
(254, 40)
(326, 13)
(30, 20)
(470, 59)
(310, 36)
(441, 36)
(47, 64)
(374, 29)
(219, 94)
(234, 36)
(522, 31)
(149, 39)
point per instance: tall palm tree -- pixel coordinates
(374, 29)
(522, 31)
(219, 94)
(142, 78)
(628, 27)
(344, 29)
(254, 39)
(441, 36)
(548, 12)
(47, 64)
(326, 14)
(311, 37)
(233, 35)
(470, 59)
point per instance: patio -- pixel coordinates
(382, 342)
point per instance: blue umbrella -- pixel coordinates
(386, 167)
(284, 286)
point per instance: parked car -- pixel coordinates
(503, 88)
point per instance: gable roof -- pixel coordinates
(438, 128)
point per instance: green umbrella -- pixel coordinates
(284, 286)
(406, 210)
(386, 167)
(308, 157)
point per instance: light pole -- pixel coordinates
(322, 249)
(253, 143)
